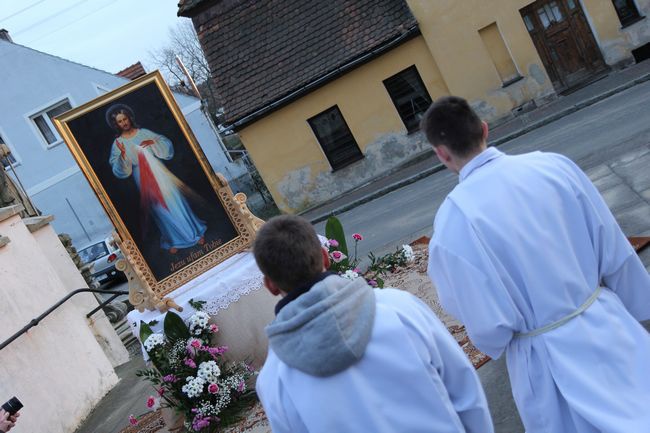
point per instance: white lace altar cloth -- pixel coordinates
(221, 286)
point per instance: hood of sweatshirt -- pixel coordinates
(325, 330)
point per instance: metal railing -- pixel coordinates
(37, 320)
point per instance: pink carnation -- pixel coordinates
(333, 243)
(161, 391)
(153, 403)
(357, 237)
(195, 343)
(338, 256)
(133, 420)
(190, 363)
(214, 328)
(213, 388)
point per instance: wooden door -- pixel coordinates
(565, 43)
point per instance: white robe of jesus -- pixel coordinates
(522, 242)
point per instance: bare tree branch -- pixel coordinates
(184, 43)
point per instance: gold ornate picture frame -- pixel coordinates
(176, 218)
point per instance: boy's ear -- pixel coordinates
(326, 258)
(442, 153)
(486, 130)
(271, 286)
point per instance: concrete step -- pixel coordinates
(123, 330)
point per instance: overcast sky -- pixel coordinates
(105, 34)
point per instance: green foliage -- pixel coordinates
(175, 328)
(382, 266)
(145, 331)
(334, 230)
(197, 305)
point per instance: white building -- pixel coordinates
(34, 88)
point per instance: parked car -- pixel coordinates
(103, 255)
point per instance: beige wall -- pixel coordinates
(499, 52)
(58, 370)
(65, 268)
(451, 30)
(290, 159)
(616, 43)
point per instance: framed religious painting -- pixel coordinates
(175, 217)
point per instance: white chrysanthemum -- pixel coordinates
(154, 340)
(408, 253)
(194, 386)
(199, 322)
(209, 371)
(350, 275)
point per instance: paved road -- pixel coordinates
(609, 140)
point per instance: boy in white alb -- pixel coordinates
(527, 255)
(346, 358)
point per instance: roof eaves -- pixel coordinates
(190, 10)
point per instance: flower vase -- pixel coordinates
(173, 419)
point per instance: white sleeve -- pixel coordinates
(454, 370)
(620, 268)
(122, 167)
(278, 407)
(162, 146)
(470, 288)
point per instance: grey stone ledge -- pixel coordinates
(4, 241)
(9, 211)
(34, 224)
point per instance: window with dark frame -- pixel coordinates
(335, 138)
(43, 121)
(409, 96)
(627, 11)
(7, 160)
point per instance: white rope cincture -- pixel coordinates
(563, 320)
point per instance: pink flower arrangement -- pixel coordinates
(357, 237)
(184, 364)
(153, 403)
(338, 256)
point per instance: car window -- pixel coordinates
(93, 252)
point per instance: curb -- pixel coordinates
(380, 192)
(439, 167)
(572, 109)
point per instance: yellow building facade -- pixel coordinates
(501, 55)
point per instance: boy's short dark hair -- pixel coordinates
(450, 121)
(288, 252)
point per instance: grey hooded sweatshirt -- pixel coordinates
(325, 330)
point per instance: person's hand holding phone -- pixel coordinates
(7, 421)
